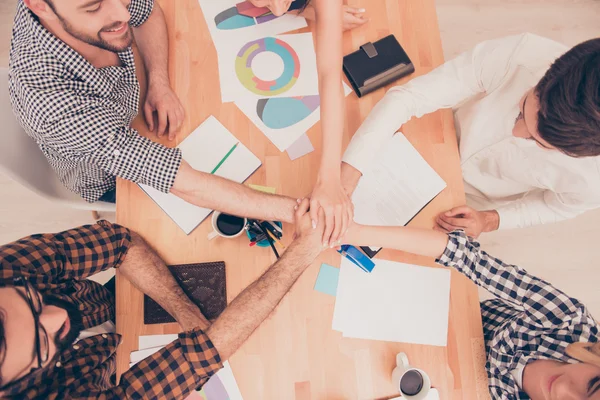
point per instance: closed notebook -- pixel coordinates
(205, 284)
(377, 64)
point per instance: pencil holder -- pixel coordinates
(261, 243)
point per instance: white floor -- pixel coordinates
(563, 253)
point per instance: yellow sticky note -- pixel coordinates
(266, 189)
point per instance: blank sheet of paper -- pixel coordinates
(396, 187)
(203, 149)
(396, 302)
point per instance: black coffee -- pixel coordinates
(229, 225)
(411, 383)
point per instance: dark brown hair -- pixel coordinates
(569, 94)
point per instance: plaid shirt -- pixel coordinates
(530, 320)
(58, 264)
(80, 115)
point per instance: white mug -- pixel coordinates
(217, 232)
(402, 367)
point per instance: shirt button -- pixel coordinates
(76, 346)
(104, 335)
(116, 153)
(58, 364)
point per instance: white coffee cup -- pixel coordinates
(402, 369)
(220, 226)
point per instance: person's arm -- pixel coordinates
(544, 303)
(474, 72)
(251, 307)
(150, 33)
(328, 192)
(148, 273)
(216, 193)
(543, 207)
(189, 361)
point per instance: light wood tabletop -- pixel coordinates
(295, 354)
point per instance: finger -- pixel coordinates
(329, 225)
(337, 230)
(458, 222)
(355, 10)
(162, 122)
(314, 213)
(173, 124)
(461, 210)
(303, 206)
(445, 225)
(149, 117)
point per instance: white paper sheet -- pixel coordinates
(300, 147)
(252, 69)
(235, 28)
(284, 120)
(396, 302)
(203, 149)
(148, 341)
(396, 187)
(137, 356)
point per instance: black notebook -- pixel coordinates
(376, 65)
(204, 283)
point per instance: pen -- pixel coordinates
(276, 240)
(274, 225)
(224, 158)
(269, 228)
(268, 239)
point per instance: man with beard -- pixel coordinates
(74, 90)
(46, 303)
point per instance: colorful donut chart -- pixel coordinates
(291, 67)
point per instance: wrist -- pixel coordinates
(491, 220)
(349, 177)
(158, 79)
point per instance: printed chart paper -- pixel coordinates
(226, 24)
(221, 386)
(284, 119)
(271, 66)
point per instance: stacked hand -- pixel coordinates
(330, 198)
(308, 241)
(353, 17)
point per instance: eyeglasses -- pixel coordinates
(41, 336)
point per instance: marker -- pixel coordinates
(224, 158)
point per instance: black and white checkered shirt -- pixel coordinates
(530, 320)
(79, 115)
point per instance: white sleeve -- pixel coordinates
(543, 207)
(477, 71)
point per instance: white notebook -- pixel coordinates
(203, 149)
(396, 187)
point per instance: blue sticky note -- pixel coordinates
(327, 281)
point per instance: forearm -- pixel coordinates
(540, 207)
(148, 273)
(152, 41)
(424, 242)
(249, 309)
(329, 66)
(216, 193)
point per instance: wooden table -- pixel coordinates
(295, 354)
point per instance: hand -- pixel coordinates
(161, 100)
(305, 237)
(473, 222)
(329, 196)
(353, 17)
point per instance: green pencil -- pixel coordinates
(224, 158)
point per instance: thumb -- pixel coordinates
(465, 210)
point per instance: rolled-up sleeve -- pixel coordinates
(97, 135)
(140, 10)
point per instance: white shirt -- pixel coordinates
(526, 184)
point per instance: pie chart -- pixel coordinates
(283, 112)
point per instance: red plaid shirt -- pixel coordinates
(59, 264)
